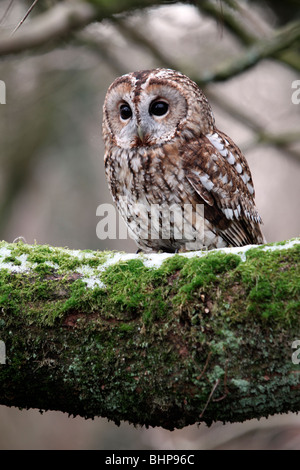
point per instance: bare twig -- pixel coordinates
(281, 40)
(102, 49)
(228, 19)
(242, 33)
(258, 50)
(6, 11)
(205, 365)
(142, 40)
(63, 19)
(225, 384)
(287, 138)
(56, 23)
(210, 397)
(24, 17)
(261, 137)
(281, 141)
(236, 112)
(253, 18)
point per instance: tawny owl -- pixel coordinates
(178, 181)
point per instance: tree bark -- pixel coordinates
(159, 339)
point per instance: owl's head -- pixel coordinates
(151, 107)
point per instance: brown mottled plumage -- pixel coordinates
(178, 181)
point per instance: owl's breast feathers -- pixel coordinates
(210, 170)
(219, 174)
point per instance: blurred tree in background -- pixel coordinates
(57, 65)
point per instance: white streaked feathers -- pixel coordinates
(230, 158)
(239, 168)
(245, 177)
(207, 183)
(222, 146)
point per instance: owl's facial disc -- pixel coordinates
(158, 110)
(138, 125)
(144, 113)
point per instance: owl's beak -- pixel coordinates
(141, 136)
(140, 133)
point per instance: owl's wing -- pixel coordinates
(217, 170)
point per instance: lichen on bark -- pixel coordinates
(159, 339)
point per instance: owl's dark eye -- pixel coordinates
(158, 108)
(125, 111)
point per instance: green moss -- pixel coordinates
(242, 384)
(266, 285)
(173, 264)
(125, 327)
(132, 288)
(196, 338)
(216, 374)
(12, 259)
(82, 299)
(94, 262)
(50, 277)
(43, 269)
(63, 259)
(203, 272)
(272, 281)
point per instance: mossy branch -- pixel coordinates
(159, 339)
